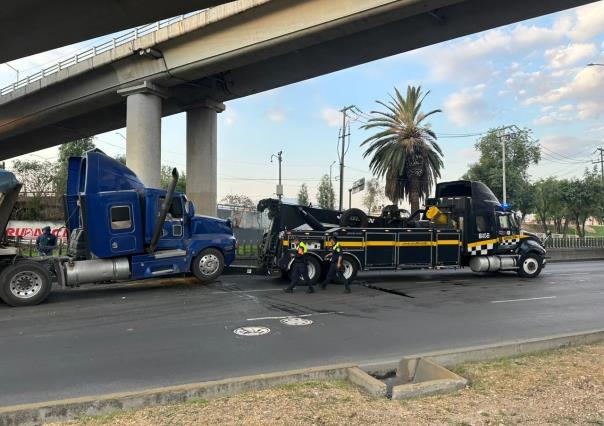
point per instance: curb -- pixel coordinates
(39, 413)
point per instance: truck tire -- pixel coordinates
(354, 218)
(529, 265)
(314, 270)
(208, 265)
(351, 268)
(24, 283)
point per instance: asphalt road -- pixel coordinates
(101, 339)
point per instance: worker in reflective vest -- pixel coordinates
(336, 265)
(299, 267)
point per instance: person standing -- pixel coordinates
(336, 265)
(46, 242)
(299, 267)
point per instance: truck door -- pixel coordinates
(173, 231)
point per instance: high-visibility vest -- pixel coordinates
(336, 247)
(303, 247)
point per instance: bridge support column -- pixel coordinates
(143, 131)
(202, 155)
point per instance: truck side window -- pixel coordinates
(121, 217)
(481, 224)
(175, 210)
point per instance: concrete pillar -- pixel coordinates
(202, 156)
(143, 131)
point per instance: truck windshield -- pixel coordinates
(504, 221)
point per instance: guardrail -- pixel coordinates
(83, 55)
(575, 242)
(27, 247)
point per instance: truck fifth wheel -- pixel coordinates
(118, 230)
(465, 225)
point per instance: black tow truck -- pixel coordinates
(464, 225)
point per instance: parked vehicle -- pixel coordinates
(465, 225)
(118, 230)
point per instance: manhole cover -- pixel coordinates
(252, 331)
(296, 321)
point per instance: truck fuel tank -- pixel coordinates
(492, 263)
(90, 271)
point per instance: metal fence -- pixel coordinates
(574, 242)
(27, 247)
(83, 55)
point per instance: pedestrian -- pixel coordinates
(336, 265)
(46, 242)
(299, 267)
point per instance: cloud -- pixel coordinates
(564, 56)
(332, 117)
(276, 115)
(572, 146)
(230, 116)
(467, 106)
(584, 89)
(589, 21)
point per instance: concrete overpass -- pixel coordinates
(228, 52)
(34, 26)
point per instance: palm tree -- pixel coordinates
(404, 149)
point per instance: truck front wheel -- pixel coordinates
(529, 265)
(24, 284)
(208, 265)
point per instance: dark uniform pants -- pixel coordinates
(332, 273)
(299, 270)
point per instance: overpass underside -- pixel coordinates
(256, 45)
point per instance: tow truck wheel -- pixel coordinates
(208, 265)
(350, 268)
(314, 270)
(24, 284)
(529, 265)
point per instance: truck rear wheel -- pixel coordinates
(208, 265)
(24, 284)
(351, 268)
(529, 265)
(314, 270)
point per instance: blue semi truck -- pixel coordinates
(118, 230)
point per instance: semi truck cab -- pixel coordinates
(121, 230)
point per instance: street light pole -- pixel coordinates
(330, 166)
(279, 156)
(344, 116)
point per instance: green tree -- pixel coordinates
(69, 149)
(121, 158)
(165, 177)
(521, 152)
(404, 149)
(38, 188)
(325, 195)
(373, 194)
(238, 200)
(303, 195)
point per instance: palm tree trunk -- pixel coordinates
(414, 196)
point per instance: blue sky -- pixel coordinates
(531, 74)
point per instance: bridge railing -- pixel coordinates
(83, 55)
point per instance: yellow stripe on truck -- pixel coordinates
(393, 243)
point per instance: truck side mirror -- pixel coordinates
(190, 209)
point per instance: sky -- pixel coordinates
(532, 74)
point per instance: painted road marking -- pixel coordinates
(245, 291)
(293, 316)
(523, 300)
(296, 321)
(252, 331)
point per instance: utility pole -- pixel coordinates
(601, 162)
(505, 196)
(350, 198)
(344, 116)
(279, 156)
(504, 137)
